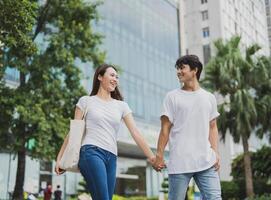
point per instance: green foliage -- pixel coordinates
(230, 190)
(59, 33)
(261, 172)
(261, 164)
(164, 186)
(262, 197)
(243, 79)
(117, 197)
(83, 187)
(17, 20)
(236, 189)
(43, 41)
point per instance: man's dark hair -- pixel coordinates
(191, 60)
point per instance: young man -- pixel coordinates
(188, 122)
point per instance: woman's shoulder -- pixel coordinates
(85, 98)
(121, 103)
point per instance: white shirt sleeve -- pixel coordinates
(167, 108)
(126, 109)
(214, 113)
(82, 103)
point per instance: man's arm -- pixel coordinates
(162, 142)
(213, 138)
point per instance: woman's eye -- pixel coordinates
(113, 75)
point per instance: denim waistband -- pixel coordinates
(88, 147)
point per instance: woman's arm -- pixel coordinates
(77, 115)
(140, 141)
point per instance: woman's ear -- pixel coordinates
(100, 78)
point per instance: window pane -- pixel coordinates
(206, 53)
(204, 15)
(206, 32)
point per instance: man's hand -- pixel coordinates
(159, 163)
(217, 163)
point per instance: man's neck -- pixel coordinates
(191, 85)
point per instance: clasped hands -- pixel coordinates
(157, 163)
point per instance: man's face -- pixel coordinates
(185, 74)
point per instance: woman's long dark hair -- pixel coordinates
(96, 83)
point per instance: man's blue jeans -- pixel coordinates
(98, 167)
(207, 181)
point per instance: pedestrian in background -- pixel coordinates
(47, 192)
(57, 193)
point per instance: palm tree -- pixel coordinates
(263, 97)
(237, 75)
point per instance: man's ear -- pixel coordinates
(195, 70)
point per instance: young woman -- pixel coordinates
(105, 111)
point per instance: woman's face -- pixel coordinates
(109, 81)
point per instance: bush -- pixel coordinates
(117, 197)
(236, 189)
(263, 197)
(230, 190)
(260, 187)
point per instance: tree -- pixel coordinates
(42, 40)
(261, 164)
(262, 90)
(239, 78)
(261, 171)
(16, 21)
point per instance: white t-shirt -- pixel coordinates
(103, 120)
(190, 113)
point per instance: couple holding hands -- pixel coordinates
(188, 124)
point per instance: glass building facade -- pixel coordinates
(141, 37)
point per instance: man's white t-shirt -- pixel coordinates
(190, 113)
(103, 120)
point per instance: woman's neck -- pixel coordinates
(103, 94)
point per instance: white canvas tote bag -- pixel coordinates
(70, 158)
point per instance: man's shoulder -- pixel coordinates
(172, 92)
(208, 93)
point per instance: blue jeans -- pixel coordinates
(207, 181)
(98, 167)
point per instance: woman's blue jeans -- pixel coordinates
(98, 167)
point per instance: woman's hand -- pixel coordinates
(58, 170)
(159, 163)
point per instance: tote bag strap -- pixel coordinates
(85, 113)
